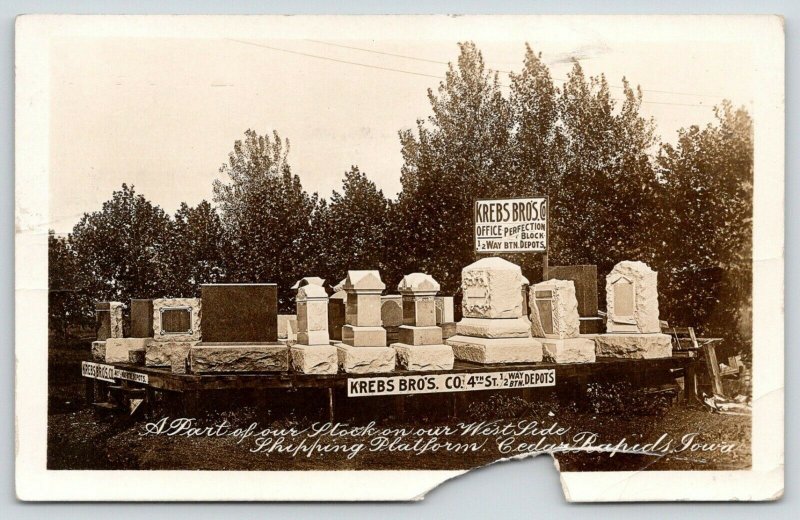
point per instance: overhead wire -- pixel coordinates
(415, 73)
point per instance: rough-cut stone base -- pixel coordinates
(161, 353)
(498, 350)
(315, 359)
(575, 350)
(365, 360)
(118, 349)
(98, 351)
(633, 346)
(208, 358)
(411, 335)
(314, 337)
(419, 358)
(494, 328)
(364, 336)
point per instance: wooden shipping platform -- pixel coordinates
(570, 381)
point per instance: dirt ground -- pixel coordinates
(673, 435)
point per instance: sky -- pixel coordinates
(162, 114)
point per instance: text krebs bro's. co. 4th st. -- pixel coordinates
(511, 225)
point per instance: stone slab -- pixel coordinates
(420, 358)
(240, 312)
(312, 315)
(391, 310)
(554, 309)
(165, 312)
(411, 335)
(494, 328)
(633, 346)
(336, 313)
(448, 330)
(314, 337)
(213, 358)
(118, 349)
(141, 319)
(632, 299)
(419, 310)
(315, 359)
(161, 353)
(108, 320)
(98, 351)
(592, 325)
(364, 310)
(365, 360)
(445, 310)
(392, 335)
(573, 350)
(364, 336)
(585, 279)
(499, 350)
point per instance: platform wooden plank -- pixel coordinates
(604, 368)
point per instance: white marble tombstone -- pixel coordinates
(420, 346)
(494, 327)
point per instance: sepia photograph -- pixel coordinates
(419, 244)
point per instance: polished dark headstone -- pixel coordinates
(102, 315)
(141, 318)
(336, 318)
(240, 312)
(585, 279)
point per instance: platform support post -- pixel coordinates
(331, 404)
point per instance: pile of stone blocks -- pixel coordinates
(420, 346)
(313, 352)
(363, 349)
(633, 329)
(240, 331)
(554, 318)
(494, 328)
(176, 329)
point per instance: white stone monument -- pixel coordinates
(420, 346)
(313, 353)
(363, 348)
(494, 328)
(554, 317)
(176, 329)
(632, 324)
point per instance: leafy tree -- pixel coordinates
(122, 251)
(603, 210)
(64, 296)
(196, 252)
(266, 215)
(356, 227)
(705, 259)
(458, 154)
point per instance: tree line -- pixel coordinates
(616, 193)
